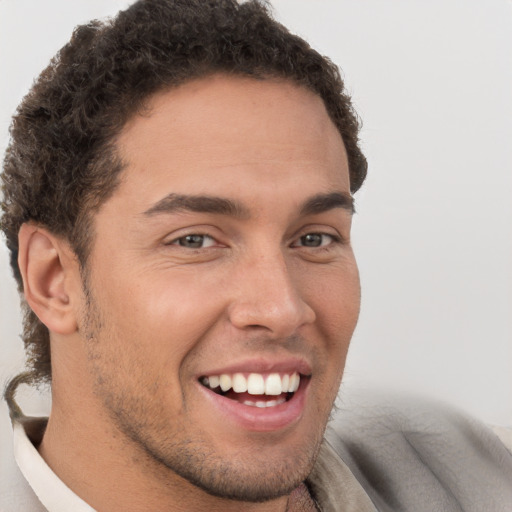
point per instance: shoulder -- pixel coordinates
(420, 455)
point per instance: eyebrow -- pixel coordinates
(173, 203)
(324, 202)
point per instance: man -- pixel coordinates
(178, 204)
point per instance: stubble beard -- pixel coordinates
(255, 480)
(167, 450)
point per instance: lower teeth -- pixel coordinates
(263, 404)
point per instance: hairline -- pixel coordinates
(108, 154)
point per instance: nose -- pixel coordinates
(268, 297)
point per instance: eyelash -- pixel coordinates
(178, 241)
(333, 240)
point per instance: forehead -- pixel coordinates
(221, 131)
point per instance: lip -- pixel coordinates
(263, 366)
(259, 419)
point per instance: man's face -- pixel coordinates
(223, 259)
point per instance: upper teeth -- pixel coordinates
(255, 383)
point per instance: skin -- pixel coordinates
(155, 314)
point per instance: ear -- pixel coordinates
(50, 272)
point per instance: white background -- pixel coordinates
(432, 82)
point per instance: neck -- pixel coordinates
(300, 500)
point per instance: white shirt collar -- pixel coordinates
(50, 490)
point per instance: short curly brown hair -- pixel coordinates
(61, 165)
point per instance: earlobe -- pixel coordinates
(48, 270)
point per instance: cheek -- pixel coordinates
(164, 316)
(337, 315)
(335, 297)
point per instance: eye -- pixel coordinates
(194, 241)
(315, 240)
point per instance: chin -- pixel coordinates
(250, 480)
(256, 475)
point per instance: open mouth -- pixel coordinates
(255, 389)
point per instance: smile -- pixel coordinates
(254, 389)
